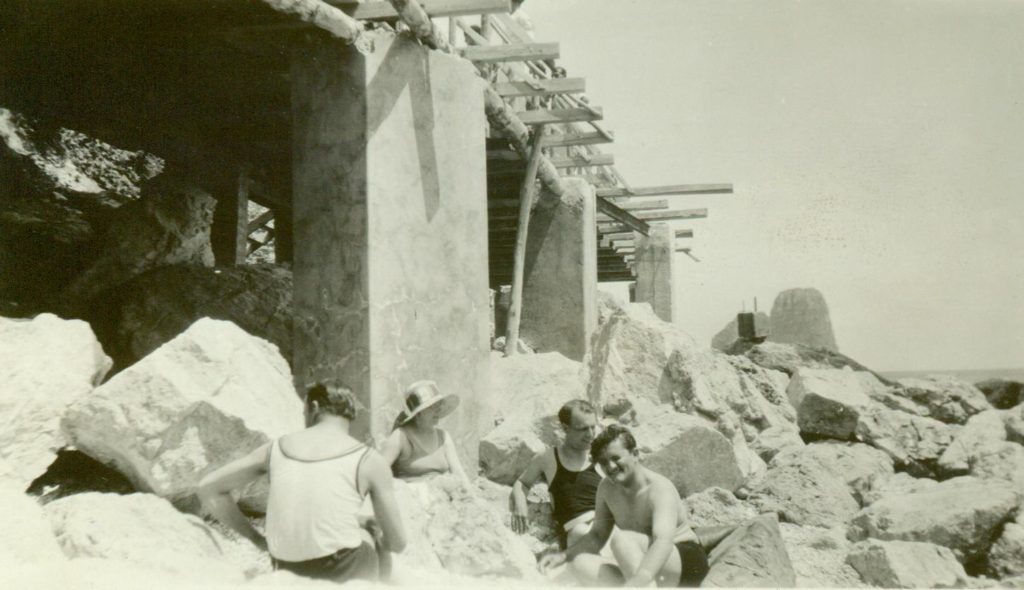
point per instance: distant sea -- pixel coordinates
(969, 375)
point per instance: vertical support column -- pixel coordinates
(229, 234)
(390, 228)
(560, 283)
(656, 270)
(284, 241)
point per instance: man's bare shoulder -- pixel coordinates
(662, 485)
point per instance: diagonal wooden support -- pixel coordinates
(519, 261)
(622, 216)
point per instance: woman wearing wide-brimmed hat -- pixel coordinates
(417, 448)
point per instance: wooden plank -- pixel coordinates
(623, 238)
(637, 206)
(517, 52)
(662, 191)
(383, 10)
(582, 138)
(583, 161)
(608, 209)
(536, 87)
(659, 215)
(557, 116)
(260, 221)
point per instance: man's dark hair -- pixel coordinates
(577, 405)
(613, 432)
(333, 399)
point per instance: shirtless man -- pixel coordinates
(571, 477)
(654, 543)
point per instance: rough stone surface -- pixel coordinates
(725, 337)
(802, 490)
(25, 535)
(47, 364)
(156, 306)
(1006, 557)
(170, 224)
(148, 531)
(819, 556)
(788, 357)
(716, 506)
(1003, 461)
(915, 443)
(906, 564)
(897, 484)
(607, 304)
(963, 514)
(1013, 420)
(207, 397)
(800, 316)
(947, 399)
(828, 402)
(771, 441)
(859, 465)
(541, 536)
(1002, 393)
(752, 556)
(984, 431)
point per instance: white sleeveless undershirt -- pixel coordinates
(312, 506)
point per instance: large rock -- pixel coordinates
(800, 316)
(788, 357)
(148, 531)
(982, 433)
(915, 443)
(725, 337)
(828, 402)
(802, 490)
(947, 399)
(898, 484)
(1002, 393)
(716, 506)
(819, 556)
(1006, 557)
(154, 307)
(170, 224)
(209, 396)
(771, 441)
(48, 363)
(1004, 461)
(963, 513)
(541, 535)
(906, 564)
(753, 556)
(26, 535)
(526, 394)
(1013, 420)
(862, 467)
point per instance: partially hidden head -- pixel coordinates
(329, 399)
(579, 421)
(615, 451)
(424, 401)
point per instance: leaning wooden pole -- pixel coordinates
(322, 15)
(519, 260)
(499, 114)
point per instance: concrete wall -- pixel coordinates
(560, 274)
(656, 269)
(391, 228)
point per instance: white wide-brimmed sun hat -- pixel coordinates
(421, 395)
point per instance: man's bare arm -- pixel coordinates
(520, 509)
(665, 518)
(379, 483)
(214, 491)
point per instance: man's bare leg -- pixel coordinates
(591, 570)
(629, 548)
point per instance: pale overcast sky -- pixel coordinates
(876, 148)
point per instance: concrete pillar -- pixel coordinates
(229, 234)
(656, 270)
(560, 278)
(390, 227)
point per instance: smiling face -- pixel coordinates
(618, 463)
(430, 416)
(580, 431)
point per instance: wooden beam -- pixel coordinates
(582, 138)
(494, 204)
(377, 10)
(583, 161)
(661, 191)
(537, 87)
(517, 52)
(321, 15)
(624, 217)
(557, 116)
(660, 215)
(622, 238)
(260, 221)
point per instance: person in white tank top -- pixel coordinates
(318, 479)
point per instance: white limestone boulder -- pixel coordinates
(914, 443)
(962, 513)
(754, 555)
(802, 490)
(212, 394)
(982, 432)
(1006, 557)
(947, 399)
(819, 556)
(859, 465)
(25, 535)
(906, 564)
(46, 363)
(1003, 461)
(147, 531)
(1013, 420)
(898, 483)
(716, 506)
(771, 441)
(828, 402)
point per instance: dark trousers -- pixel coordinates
(695, 564)
(359, 563)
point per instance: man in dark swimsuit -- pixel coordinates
(571, 477)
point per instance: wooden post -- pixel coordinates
(519, 260)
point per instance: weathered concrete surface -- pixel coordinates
(915, 443)
(828, 401)
(800, 316)
(390, 218)
(656, 271)
(207, 397)
(963, 514)
(46, 364)
(947, 399)
(906, 564)
(560, 275)
(148, 531)
(754, 556)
